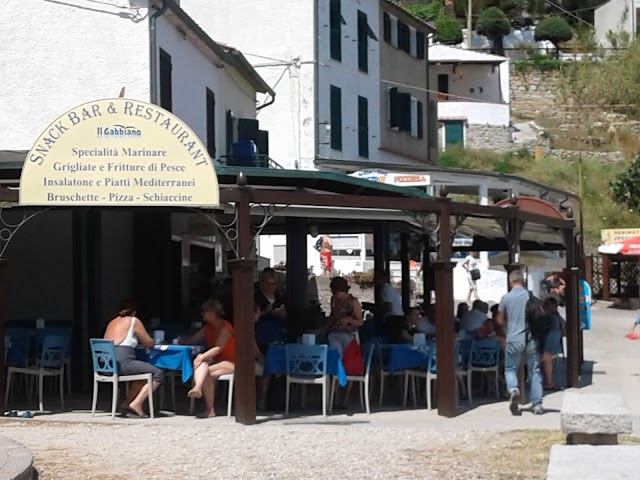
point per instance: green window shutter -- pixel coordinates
(420, 45)
(420, 120)
(335, 28)
(404, 37)
(393, 107)
(386, 26)
(336, 117)
(363, 127)
(404, 112)
(363, 46)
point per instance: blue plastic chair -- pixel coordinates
(484, 357)
(43, 333)
(307, 365)
(105, 370)
(463, 352)
(51, 364)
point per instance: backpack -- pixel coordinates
(538, 321)
(318, 245)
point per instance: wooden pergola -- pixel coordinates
(254, 201)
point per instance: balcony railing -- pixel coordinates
(259, 161)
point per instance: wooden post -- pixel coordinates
(243, 274)
(379, 265)
(427, 272)
(297, 275)
(445, 339)
(445, 328)
(606, 283)
(3, 319)
(572, 326)
(406, 271)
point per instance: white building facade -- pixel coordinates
(93, 50)
(616, 23)
(473, 97)
(76, 51)
(322, 58)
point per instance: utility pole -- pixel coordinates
(469, 22)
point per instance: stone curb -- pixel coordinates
(16, 462)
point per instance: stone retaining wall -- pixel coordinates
(487, 137)
(572, 154)
(534, 92)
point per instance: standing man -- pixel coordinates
(326, 251)
(512, 311)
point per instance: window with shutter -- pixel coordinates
(393, 107)
(420, 114)
(363, 127)
(335, 30)
(404, 37)
(363, 46)
(420, 45)
(166, 86)
(386, 26)
(336, 117)
(404, 112)
(211, 123)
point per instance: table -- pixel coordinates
(171, 357)
(276, 362)
(406, 356)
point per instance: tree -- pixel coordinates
(554, 29)
(625, 189)
(494, 25)
(448, 31)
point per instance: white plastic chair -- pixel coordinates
(429, 374)
(484, 358)
(51, 364)
(362, 379)
(105, 370)
(223, 378)
(307, 365)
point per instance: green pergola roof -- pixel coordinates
(330, 182)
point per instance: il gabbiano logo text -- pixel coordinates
(119, 131)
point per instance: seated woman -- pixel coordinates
(218, 360)
(556, 285)
(127, 331)
(269, 328)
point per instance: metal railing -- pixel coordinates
(258, 161)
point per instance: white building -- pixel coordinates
(473, 97)
(81, 50)
(616, 19)
(57, 55)
(323, 59)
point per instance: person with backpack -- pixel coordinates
(522, 313)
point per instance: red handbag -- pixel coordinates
(352, 359)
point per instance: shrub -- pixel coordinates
(448, 31)
(554, 29)
(494, 25)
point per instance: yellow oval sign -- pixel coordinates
(118, 152)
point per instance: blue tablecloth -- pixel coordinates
(171, 357)
(276, 362)
(403, 357)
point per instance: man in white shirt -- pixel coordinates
(389, 297)
(475, 318)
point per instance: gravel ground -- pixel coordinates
(210, 450)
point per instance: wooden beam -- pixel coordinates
(8, 195)
(3, 319)
(571, 277)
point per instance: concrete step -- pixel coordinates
(16, 462)
(587, 462)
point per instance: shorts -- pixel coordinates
(553, 342)
(325, 259)
(340, 340)
(129, 365)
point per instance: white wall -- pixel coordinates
(350, 80)
(40, 267)
(476, 113)
(192, 74)
(278, 39)
(466, 77)
(57, 55)
(611, 17)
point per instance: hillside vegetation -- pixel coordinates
(599, 209)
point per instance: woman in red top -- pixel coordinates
(218, 360)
